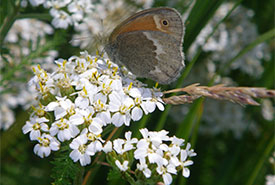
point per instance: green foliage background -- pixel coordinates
(221, 159)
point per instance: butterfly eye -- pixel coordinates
(165, 22)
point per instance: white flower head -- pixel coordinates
(122, 167)
(64, 130)
(81, 152)
(121, 105)
(61, 107)
(169, 158)
(46, 144)
(142, 166)
(121, 146)
(35, 126)
(61, 19)
(87, 94)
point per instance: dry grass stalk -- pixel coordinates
(241, 95)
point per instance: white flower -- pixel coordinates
(184, 163)
(63, 129)
(118, 145)
(102, 112)
(144, 150)
(108, 147)
(142, 166)
(81, 116)
(129, 142)
(151, 149)
(36, 2)
(95, 141)
(123, 167)
(95, 146)
(57, 4)
(121, 145)
(141, 96)
(121, 105)
(154, 101)
(167, 177)
(61, 19)
(190, 152)
(86, 95)
(78, 8)
(89, 94)
(82, 101)
(270, 180)
(35, 126)
(155, 137)
(46, 144)
(61, 107)
(81, 151)
(96, 126)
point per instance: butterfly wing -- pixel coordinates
(149, 44)
(150, 54)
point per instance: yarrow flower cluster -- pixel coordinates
(84, 95)
(228, 40)
(74, 12)
(157, 155)
(66, 12)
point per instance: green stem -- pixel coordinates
(40, 16)
(8, 22)
(27, 60)
(256, 170)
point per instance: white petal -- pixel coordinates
(84, 160)
(35, 134)
(76, 119)
(117, 119)
(136, 114)
(74, 144)
(75, 155)
(51, 106)
(188, 163)
(59, 112)
(147, 173)
(160, 106)
(150, 106)
(55, 146)
(108, 147)
(183, 155)
(44, 127)
(81, 102)
(27, 128)
(185, 172)
(73, 130)
(167, 178)
(54, 130)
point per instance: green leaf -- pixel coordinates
(193, 117)
(200, 14)
(114, 175)
(65, 171)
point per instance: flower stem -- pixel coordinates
(8, 22)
